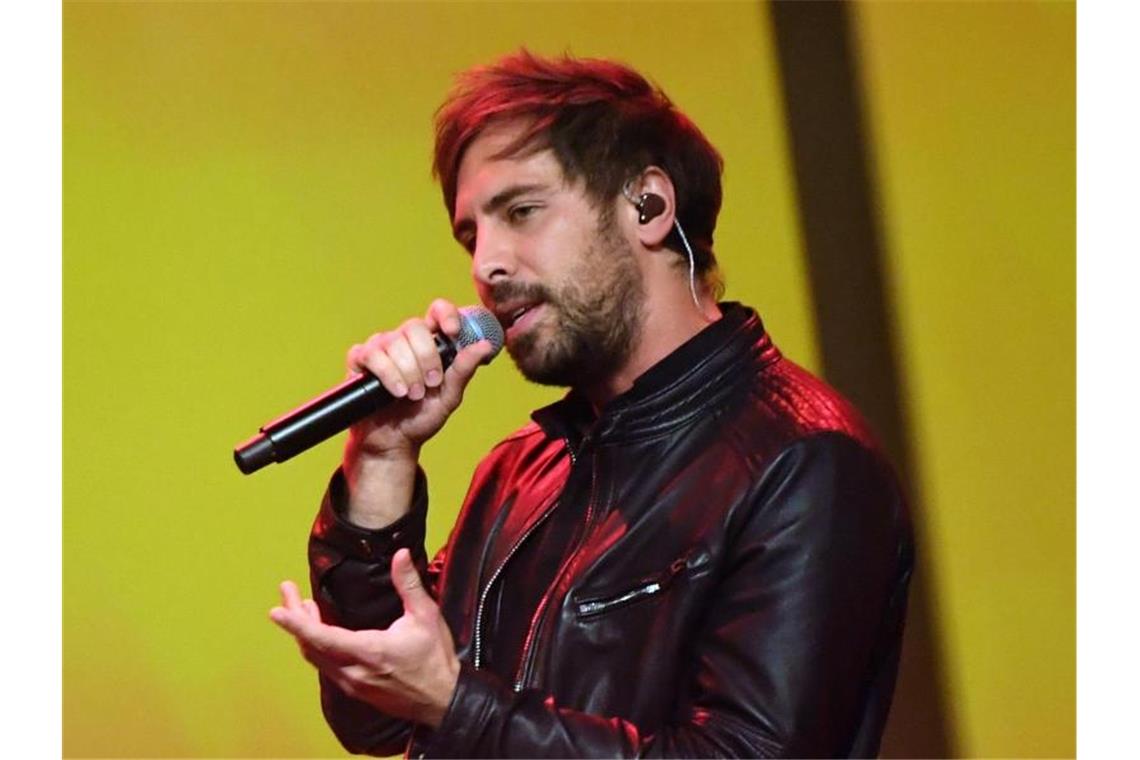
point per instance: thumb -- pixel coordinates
(408, 585)
(462, 369)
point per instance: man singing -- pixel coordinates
(697, 552)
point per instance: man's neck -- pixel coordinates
(667, 322)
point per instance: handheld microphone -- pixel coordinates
(353, 400)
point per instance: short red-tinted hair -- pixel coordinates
(604, 122)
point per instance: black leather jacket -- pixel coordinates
(739, 589)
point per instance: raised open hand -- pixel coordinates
(407, 671)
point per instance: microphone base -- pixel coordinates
(254, 454)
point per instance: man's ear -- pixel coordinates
(653, 221)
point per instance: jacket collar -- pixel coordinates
(714, 363)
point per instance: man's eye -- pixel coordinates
(519, 213)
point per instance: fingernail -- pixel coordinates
(401, 389)
(416, 393)
(432, 377)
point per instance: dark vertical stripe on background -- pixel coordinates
(844, 248)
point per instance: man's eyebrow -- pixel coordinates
(500, 199)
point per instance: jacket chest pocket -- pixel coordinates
(590, 603)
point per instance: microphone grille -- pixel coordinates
(477, 323)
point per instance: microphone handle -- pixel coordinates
(322, 418)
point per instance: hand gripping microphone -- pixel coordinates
(352, 400)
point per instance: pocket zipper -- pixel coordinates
(649, 588)
(601, 605)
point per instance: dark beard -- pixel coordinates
(598, 318)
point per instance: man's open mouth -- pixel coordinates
(508, 317)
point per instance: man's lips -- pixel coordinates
(518, 318)
(508, 315)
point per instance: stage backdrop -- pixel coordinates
(247, 193)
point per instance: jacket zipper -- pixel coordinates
(529, 647)
(478, 659)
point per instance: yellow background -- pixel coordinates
(246, 194)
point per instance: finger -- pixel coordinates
(366, 675)
(400, 351)
(283, 617)
(410, 587)
(459, 374)
(443, 316)
(290, 595)
(327, 640)
(324, 661)
(345, 684)
(423, 346)
(371, 357)
(473, 356)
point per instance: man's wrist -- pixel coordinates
(380, 488)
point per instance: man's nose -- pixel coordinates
(494, 259)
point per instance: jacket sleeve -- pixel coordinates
(813, 583)
(349, 570)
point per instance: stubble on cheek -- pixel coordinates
(590, 325)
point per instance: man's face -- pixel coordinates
(556, 271)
